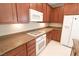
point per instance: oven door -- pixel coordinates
(40, 44)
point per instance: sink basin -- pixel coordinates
(35, 33)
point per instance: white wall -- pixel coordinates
(14, 28)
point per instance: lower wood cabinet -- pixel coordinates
(56, 35)
(27, 49)
(48, 37)
(19, 51)
(53, 35)
(31, 48)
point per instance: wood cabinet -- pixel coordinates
(56, 35)
(48, 37)
(57, 15)
(61, 15)
(78, 8)
(31, 48)
(14, 13)
(33, 6)
(36, 6)
(39, 7)
(23, 12)
(19, 51)
(27, 49)
(44, 12)
(48, 13)
(70, 8)
(19, 12)
(7, 13)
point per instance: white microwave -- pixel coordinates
(35, 15)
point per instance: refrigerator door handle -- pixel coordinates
(67, 27)
(75, 18)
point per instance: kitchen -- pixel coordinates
(38, 29)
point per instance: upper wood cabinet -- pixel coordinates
(33, 6)
(36, 6)
(19, 12)
(61, 15)
(14, 13)
(57, 14)
(48, 13)
(23, 12)
(7, 13)
(70, 8)
(78, 8)
(44, 12)
(39, 7)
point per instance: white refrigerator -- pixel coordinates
(70, 30)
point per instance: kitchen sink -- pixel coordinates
(35, 33)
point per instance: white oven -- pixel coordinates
(40, 43)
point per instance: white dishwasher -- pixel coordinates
(40, 43)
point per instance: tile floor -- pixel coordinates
(55, 49)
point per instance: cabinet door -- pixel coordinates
(48, 13)
(48, 37)
(31, 48)
(52, 16)
(39, 7)
(70, 9)
(78, 8)
(33, 6)
(19, 51)
(23, 12)
(44, 12)
(58, 15)
(7, 13)
(36, 6)
(56, 34)
(61, 14)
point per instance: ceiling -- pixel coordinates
(56, 4)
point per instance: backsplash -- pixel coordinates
(55, 24)
(6, 29)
